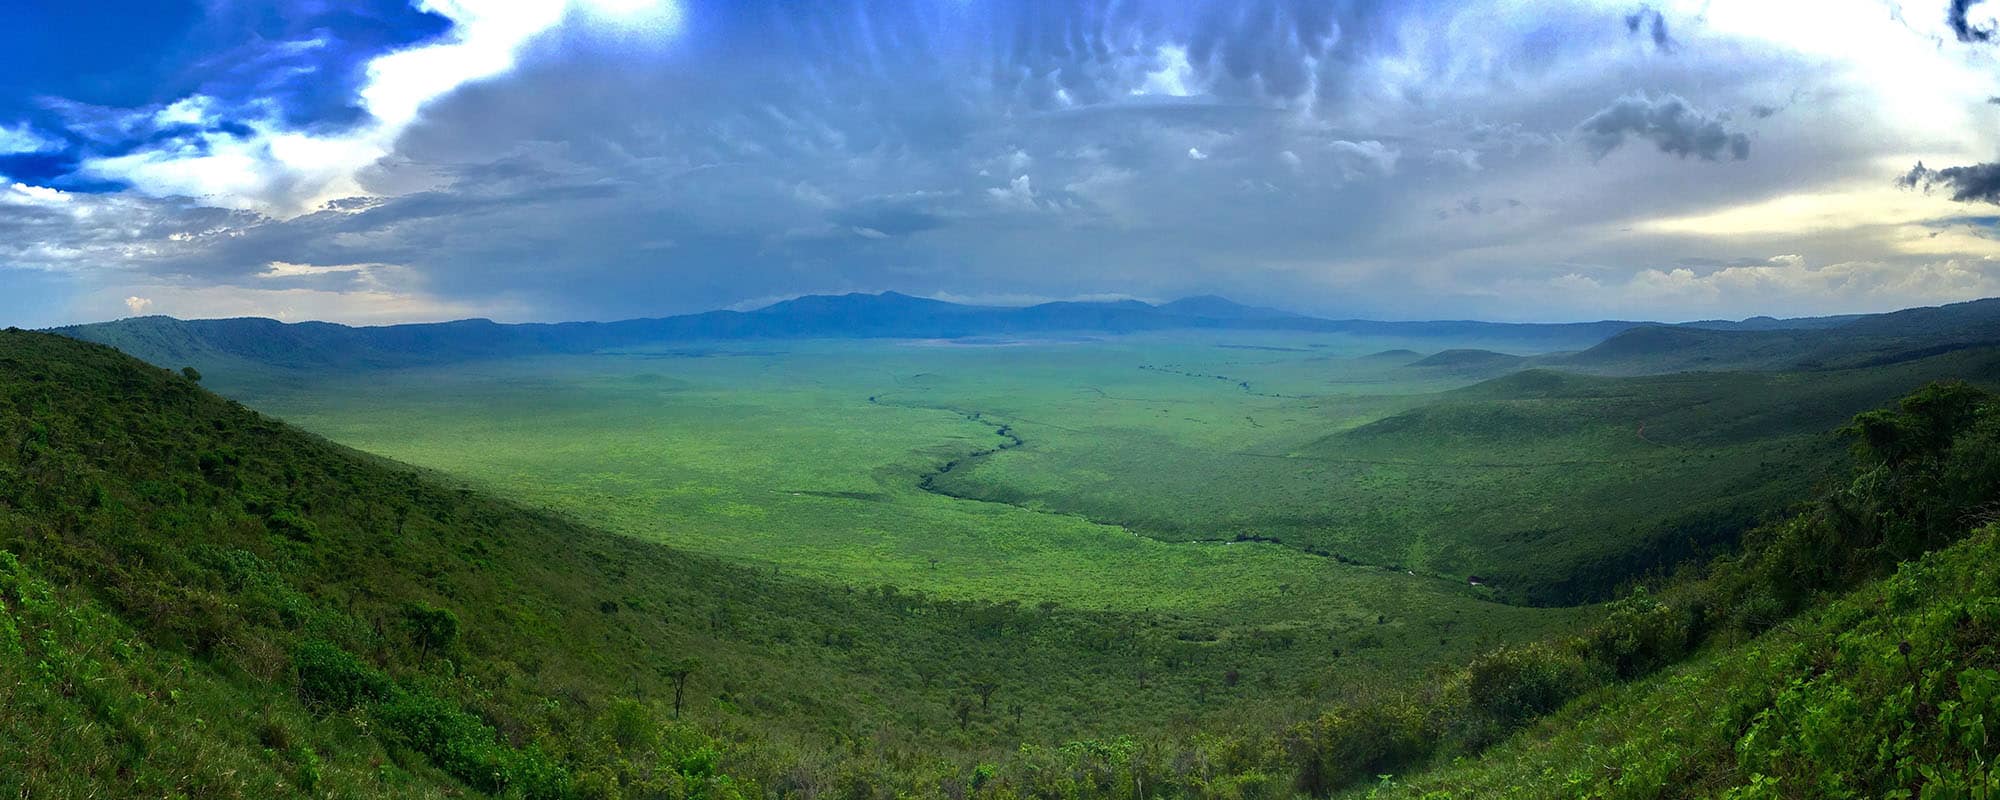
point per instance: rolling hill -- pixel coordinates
(235, 343)
(1612, 347)
(1831, 343)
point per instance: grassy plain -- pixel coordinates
(1552, 487)
(1250, 485)
(809, 458)
(1262, 475)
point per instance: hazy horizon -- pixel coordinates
(999, 305)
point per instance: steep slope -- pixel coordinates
(1888, 691)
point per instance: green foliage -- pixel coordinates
(333, 679)
(1879, 691)
(462, 745)
(1512, 685)
(1553, 488)
(1887, 691)
(1640, 634)
(432, 630)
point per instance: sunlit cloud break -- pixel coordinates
(285, 172)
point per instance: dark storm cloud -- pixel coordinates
(1368, 157)
(1648, 21)
(1669, 122)
(1978, 183)
(1957, 17)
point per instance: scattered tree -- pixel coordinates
(430, 628)
(679, 672)
(985, 688)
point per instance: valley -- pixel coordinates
(1229, 539)
(969, 400)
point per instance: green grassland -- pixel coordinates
(813, 458)
(990, 569)
(1552, 487)
(198, 600)
(1249, 478)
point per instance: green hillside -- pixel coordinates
(1888, 691)
(1555, 488)
(1832, 343)
(1884, 685)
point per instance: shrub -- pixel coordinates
(332, 678)
(431, 629)
(1639, 635)
(467, 748)
(1512, 685)
(289, 523)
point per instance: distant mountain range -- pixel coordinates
(1612, 343)
(170, 341)
(1756, 344)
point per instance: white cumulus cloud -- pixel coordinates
(284, 172)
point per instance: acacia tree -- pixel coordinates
(679, 672)
(431, 629)
(985, 687)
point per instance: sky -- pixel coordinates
(379, 161)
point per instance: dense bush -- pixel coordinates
(333, 679)
(462, 745)
(1888, 691)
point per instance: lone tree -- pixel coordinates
(191, 373)
(985, 687)
(430, 628)
(963, 710)
(679, 672)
